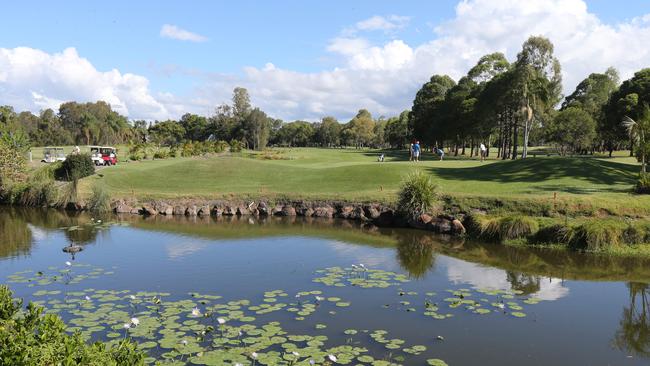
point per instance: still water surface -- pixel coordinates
(419, 298)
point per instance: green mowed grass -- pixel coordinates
(356, 175)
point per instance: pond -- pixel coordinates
(215, 291)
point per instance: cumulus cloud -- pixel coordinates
(382, 77)
(174, 32)
(32, 79)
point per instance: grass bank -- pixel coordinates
(579, 194)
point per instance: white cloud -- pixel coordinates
(32, 79)
(384, 78)
(482, 277)
(174, 32)
(387, 24)
(380, 77)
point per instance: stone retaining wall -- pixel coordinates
(377, 214)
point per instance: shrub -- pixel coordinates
(643, 184)
(12, 163)
(75, 167)
(596, 235)
(417, 195)
(29, 338)
(173, 152)
(99, 199)
(187, 149)
(235, 146)
(161, 154)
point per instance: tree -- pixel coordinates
(539, 83)
(195, 126)
(638, 131)
(572, 129)
(298, 133)
(397, 130)
(422, 119)
(629, 101)
(241, 103)
(256, 128)
(360, 130)
(328, 132)
(167, 133)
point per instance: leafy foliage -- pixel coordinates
(75, 166)
(29, 338)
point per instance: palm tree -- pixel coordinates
(637, 129)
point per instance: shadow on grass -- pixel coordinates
(538, 170)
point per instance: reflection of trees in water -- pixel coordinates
(83, 236)
(15, 234)
(526, 283)
(633, 335)
(416, 254)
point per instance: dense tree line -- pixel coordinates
(97, 124)
(510, 106)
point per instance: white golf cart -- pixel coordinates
(96, 155)
(53, 154)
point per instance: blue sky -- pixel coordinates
(302, 39)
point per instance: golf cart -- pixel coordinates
(95, 155)
(53, 154)
(109, 155)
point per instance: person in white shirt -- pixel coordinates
(483, 151)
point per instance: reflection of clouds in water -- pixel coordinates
(179, 250)
(358, 254)
(483, 277)
(38, 234)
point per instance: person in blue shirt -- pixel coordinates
(416, 151)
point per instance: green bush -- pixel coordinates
(417, 195)
(187, 149)
(643, 184)
(75, 167)
(161, 154)
(235, 146)
(30, 338)
(596, 235)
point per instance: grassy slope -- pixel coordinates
(356, 175)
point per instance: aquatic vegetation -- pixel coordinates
(364, 278)
(206, 329)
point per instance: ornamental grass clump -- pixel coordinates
(99, 199)
(597, 235)
(517, 227)
(417, 195)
